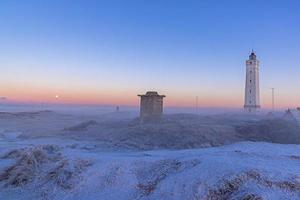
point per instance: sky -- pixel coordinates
(107, 52)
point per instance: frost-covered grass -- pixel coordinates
(41, 166)
(247, 170)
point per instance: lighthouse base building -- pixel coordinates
(151, 106)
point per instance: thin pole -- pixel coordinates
(196, 104)
(273, 101)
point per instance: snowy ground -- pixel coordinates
(55, 155)
(57, 169)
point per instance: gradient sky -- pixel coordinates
(106, 52)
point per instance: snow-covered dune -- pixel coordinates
(75, 170)
(49, 155)
(173, 131)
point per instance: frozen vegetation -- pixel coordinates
(66, 155)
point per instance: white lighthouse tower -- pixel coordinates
(252, 103)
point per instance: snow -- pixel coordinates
(265, 170)
(52, 155)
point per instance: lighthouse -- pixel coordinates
(252, 99)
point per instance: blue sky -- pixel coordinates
(108, 51)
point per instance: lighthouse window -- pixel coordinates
(250, 91)
(250, 72)
(250, 102)
(250, 81)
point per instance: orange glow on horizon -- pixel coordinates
(35, 94)
(89, 99)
